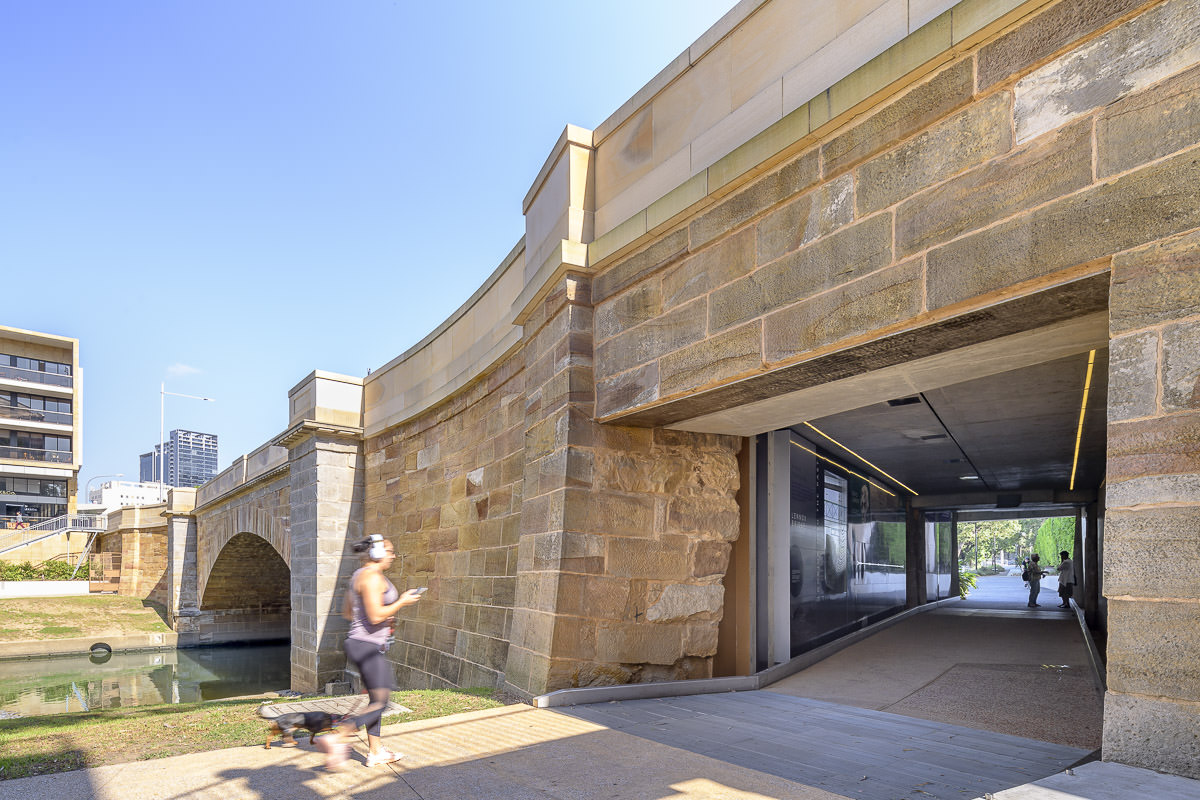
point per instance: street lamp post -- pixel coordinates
(162, 414)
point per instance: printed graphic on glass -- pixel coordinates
(846, 550)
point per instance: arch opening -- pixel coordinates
(248, 594)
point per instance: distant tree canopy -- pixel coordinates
(1054, 536)
(986, 542)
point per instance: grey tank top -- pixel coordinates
(361, 628)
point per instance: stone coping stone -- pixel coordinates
(83, 646)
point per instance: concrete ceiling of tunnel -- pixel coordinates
(1008, 432)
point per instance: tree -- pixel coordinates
(1053, 536)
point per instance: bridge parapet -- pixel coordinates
(266, 458)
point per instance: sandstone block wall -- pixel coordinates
(1152, 526)
(1020, 165)
(143, 562)
(624, 532)
(446, 488)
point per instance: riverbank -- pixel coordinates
(124, 643)
(40, 620)
(62, 742)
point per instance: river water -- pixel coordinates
(79, 683)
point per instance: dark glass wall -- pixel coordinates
(939, 555)
(846, 551)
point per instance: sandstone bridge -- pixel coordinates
(258, 552)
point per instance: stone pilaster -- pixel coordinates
(326, 493)
(183, 601)
(624, 531)
(1151, 539)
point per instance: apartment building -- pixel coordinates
(40, 432)
(191, 460)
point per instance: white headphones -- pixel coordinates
(377, 551)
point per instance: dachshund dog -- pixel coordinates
(285, 725)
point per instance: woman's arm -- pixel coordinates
(372, 588)
(348, 604)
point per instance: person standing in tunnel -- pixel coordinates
(370, 604)
(1035, 579)
(1066, 579)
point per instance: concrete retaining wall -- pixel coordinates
(14, 589)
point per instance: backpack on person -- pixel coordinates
(1025, 574)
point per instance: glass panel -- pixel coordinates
(847, 552)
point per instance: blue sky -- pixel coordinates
(226, 195)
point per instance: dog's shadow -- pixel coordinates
(302, 779)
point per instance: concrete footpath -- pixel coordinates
(517, 753)
(501, 754)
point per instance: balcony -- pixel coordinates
(34, 376)
(23, 414)
(30, 454)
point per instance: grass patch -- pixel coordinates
(61, 630)
(62, 742)
(37, 618)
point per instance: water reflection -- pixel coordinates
(82, 683)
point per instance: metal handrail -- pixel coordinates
(43, 530)
(35, 376)
(35, 415)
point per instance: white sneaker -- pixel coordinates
(384, 756)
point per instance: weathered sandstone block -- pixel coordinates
(1047, 32)
(680, 601)
(1162, 120)
(677, 328)
(1154, 447)
(715, 359)
(713, 266)
(1152, 733)
(756, 198)
(972, 136)
(919, 107)
(1133, 376)
(1132, 56)
(1046, 169)
(1153, 552)
(1152, 203)
(854, 250)
(1181, 367)
(1154, 649)
(811, 215)
(873, 302)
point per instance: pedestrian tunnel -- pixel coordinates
(863, 493)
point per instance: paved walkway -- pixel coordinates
(523, 753)
(334, 706)
(1025, 674)
(850, 751)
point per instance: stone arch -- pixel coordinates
(263, 512)
(248, 573)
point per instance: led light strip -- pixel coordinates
(843, 466)
(860, 458)
(1087, 385)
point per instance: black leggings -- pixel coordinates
(376, 676)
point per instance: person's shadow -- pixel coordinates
(310, 781)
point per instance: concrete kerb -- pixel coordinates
(737, 683)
